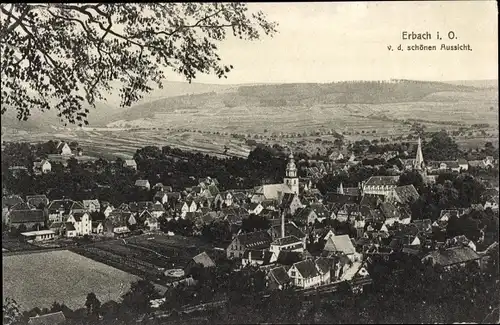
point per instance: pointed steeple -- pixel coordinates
(291, 168)
(419, 159)
(341, 189)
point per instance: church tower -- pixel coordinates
(291, 179)
(419, 159)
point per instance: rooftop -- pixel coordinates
(37, 233)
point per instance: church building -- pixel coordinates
(277, 191)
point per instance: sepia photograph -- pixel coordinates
(250, 163)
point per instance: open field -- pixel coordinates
(205, 122)
(39, 279)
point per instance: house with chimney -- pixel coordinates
(290, 230)
(258, 240)
(286, 243)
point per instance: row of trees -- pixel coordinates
(110, 181)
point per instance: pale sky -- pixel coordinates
(325, 42)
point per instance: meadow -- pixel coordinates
(39, 279)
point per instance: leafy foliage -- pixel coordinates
(11, 313)
(92, 304)
(58, 55)
(137, 298)
(441, 147)
(412, 178)
(255, 223)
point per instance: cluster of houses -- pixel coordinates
(377, 211)
(342, 160)
(44, 166)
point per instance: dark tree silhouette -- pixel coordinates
(110, 44)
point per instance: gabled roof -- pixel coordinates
(87, 203)
(158, 207)
(340, 243)
(160, 194)
(269, 203)
(78, 216)
(252, 206)
(65, 205)
(333, 197)
(255, 240)
(48, 319)
(320, 210)
(22, 206)
(38, 164)
(70, 226)
(119, 217)
(232, 218)
(56, 225)
(270, 214)
(424, 225)
(382, 181)
(213, 190)
(407, 193)
(141, 206)
(290, 230)
(77, 205)
(350, 209)
(371, 200)
(239, 196)
(288, 240)
(286, 257)
(389, 210)
(26, 216)
(307, 269)
(271, 191)
(454, 255)
(287, 199)
(279, 275)
(449, 213)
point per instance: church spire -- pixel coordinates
(340, 190)
(419, 159)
